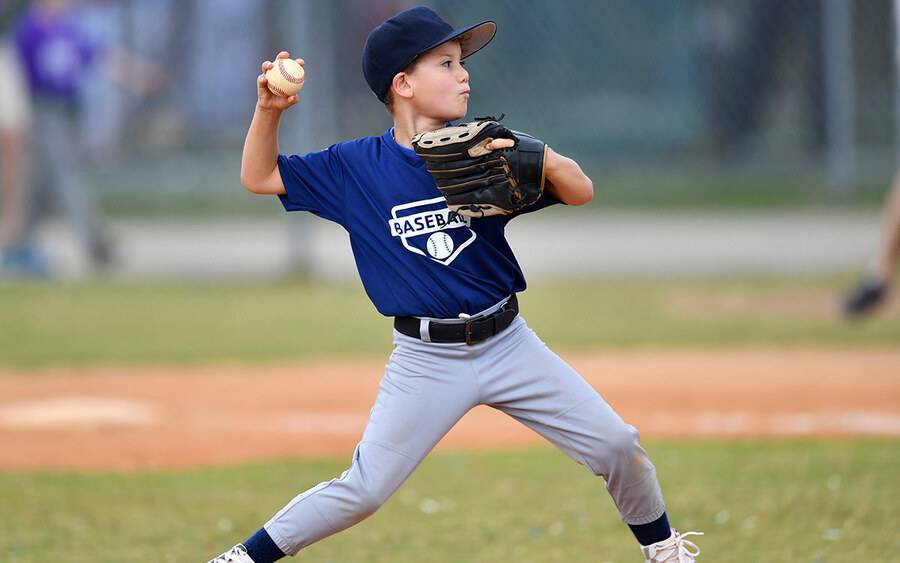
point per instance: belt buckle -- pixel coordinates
(468, 330)
(468, 326)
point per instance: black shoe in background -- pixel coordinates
(864, 298)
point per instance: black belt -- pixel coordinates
(475, 329)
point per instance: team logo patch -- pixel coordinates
(427, 228)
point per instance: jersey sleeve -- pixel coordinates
(314, 182)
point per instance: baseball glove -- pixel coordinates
(477, 181)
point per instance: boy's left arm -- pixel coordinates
(565, 179)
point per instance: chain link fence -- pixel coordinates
(689, 102)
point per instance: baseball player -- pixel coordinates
(425, 207)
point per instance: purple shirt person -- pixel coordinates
(55, 54)
(54, 51)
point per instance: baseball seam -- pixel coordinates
(286, 75)
(278, 90)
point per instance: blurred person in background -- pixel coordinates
(15, 116)
(873, 289)
(56, 54)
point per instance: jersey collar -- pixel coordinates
(408, 155)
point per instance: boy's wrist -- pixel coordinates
(269, 111)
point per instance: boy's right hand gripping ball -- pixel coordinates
(477, 181)
(285, 78)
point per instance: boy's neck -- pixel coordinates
(408, 126)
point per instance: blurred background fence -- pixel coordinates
(690, 103)
(695, 101)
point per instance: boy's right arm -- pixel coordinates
(259, 162)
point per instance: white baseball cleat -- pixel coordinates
(676, 549)
(237, 554)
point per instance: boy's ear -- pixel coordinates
(401, 85)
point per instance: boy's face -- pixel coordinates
(440, 83)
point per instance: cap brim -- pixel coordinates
(471, 38)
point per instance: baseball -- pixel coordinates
(440, 245)
(285, 78)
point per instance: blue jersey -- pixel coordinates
(414, 258)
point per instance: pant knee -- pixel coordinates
(625, 440)
(368, 501)
(373, 478)
(617, 447)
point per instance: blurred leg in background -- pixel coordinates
(875, 284)
(57, 148)
(16, 255)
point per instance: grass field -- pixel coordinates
(757, 501)
(120, 323)
(797, 500)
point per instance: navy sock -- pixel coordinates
(262, 549)
(654, 532)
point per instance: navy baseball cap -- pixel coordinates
(394, 44)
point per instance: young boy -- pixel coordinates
(438, 369)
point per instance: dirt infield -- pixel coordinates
(142, 418)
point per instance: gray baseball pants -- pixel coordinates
(58, 171)
(428, 387)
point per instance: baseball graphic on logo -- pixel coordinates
(440, 245)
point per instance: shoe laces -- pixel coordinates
(234, 555)
(672, 551)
